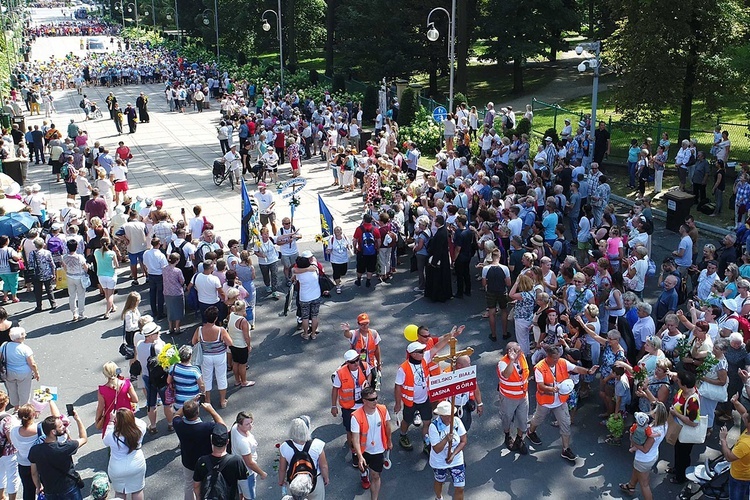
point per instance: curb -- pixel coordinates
(661, 214)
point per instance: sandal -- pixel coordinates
(152, 430)
(305, 336)
(224, 404)
(486, 314)
(170, 428)
(670, 470)
(313, 336)
(249, 383)
(627, 488)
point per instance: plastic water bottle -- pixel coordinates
(284, 491)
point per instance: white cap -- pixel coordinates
(548, 139)
(306, 254)
(351, 355)
(443, 408)
(415, 346)
(566, 386)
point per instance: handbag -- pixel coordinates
(197, 358)
(100, 421)
(695, 435)
(191, 299)
(673, 431)
(169, 395)
(713, 392)
(135, 368)
(86, 281)
(3, 363)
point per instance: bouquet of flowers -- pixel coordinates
(640, 375)
(294, 201)
(683, 347)
(168, 356)
(319, 238)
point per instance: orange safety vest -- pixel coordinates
(359, 345)
(517, 385)
(407, 390)
(346, 391)
(361, 417)
(434, 367)
(561, 373)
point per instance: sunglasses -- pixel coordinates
(425, 335)
(418, 352)
(353, 362)
(370, 399)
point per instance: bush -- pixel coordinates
(339, 83)
(314, 77)
(424, 132)
(552, 133)
(408, 108)
(458, 98)
(523, 127)
(370, 103)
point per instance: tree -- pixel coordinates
(408, 107)
(525, 33)
(699, 31)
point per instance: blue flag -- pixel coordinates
(247, 215)
(326, 225)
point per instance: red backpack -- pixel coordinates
(744, 326)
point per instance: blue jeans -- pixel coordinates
(738, 490)
(156, 294)
(72, 494)
(631, 173)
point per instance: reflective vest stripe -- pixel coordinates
(517, 385)
(361, 418)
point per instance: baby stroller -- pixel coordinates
(711, 479)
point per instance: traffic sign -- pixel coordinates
(439, 114)
(453, 383)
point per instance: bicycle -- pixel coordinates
(221, 173)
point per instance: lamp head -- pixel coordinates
(266, 26)
(145, 13)
(432, 33)
(582, 67)
(130, 9)
(169, 17)
(579, 49)
(206, 21)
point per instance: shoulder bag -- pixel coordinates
(197, 357)
(100, 421)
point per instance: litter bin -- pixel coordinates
(364, 136)
(5, 120)
(678, 208)
(21, 122)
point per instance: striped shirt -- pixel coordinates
(185, 382)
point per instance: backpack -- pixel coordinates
(55, 245)
(64, 171)
(82, 104)
(201, 251)
(496, 280)
(301, 463)
(183, 261)
(157, 376)
(565, 250)
(744, 325)
(368, 241)
(217, 487)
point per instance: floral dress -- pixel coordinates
(609, 358)
(372, 181)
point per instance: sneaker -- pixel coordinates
(358, 282)
(568, 454)
(355, 461)
(405, 442)
(521, 446)
(417, 420)
(533, 438)
(134, 283)
(509, 443)
(365, 482)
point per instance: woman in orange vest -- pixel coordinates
(371, 436)
(348, 382)
(513, 377)
(366, 341)
(549, 374)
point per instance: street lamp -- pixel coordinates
(594, 63)
(207, 20)
(433, 34)
(119, 6)
(267, 27)
(173, 14)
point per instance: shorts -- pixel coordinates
(107, 282)
(240, 355)
(288, 260)
(130, 337)
(644, 466)
(374, 462)
(496, 299)
(346, 416)
(339, 270)
(309, 310)
(295, 164)
(424, 409)
(247, 486)
(266, 218)
(121, 186)
(457, 473)
(135, 258)
(366, 263)
(71, 188)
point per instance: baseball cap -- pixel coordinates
(159, 203)
(262, 185)
(351, 355)
(548, 139)
(219, 435)
(306, 254)
(415, 346)
(362, 318)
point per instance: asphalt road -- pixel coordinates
(293, 377)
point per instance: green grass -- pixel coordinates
(493, 82)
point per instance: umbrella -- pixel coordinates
(11, 205)
(16, 224)
(6, 181)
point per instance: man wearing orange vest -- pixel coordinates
(348, 382)
(549, 373)
(467, 402)
(411, 391)
(365, 341)
(513, 376)
(371, 436)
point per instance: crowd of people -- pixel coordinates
(536, 234)
(70, 28)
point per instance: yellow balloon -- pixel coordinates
(410, 333)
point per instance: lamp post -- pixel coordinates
(153, 13)
(207, 21)
(119, 6)
(595, 63)
(267, 27)
(433, 34)
(133, 7)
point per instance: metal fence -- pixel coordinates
(548, 116)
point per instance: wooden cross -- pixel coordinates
(452, 357)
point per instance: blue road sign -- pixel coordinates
(439, 114)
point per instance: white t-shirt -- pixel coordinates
(374, 443)
(515, 226)
(207, 285)
(289, 247)
(438, 431)
(264, 201)
(316, 450)
(244, 445)
(420, 379)
(155, 261)
(196, 226)
(659, 433)
(309, 286)
(540, 380)
(639, 280)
